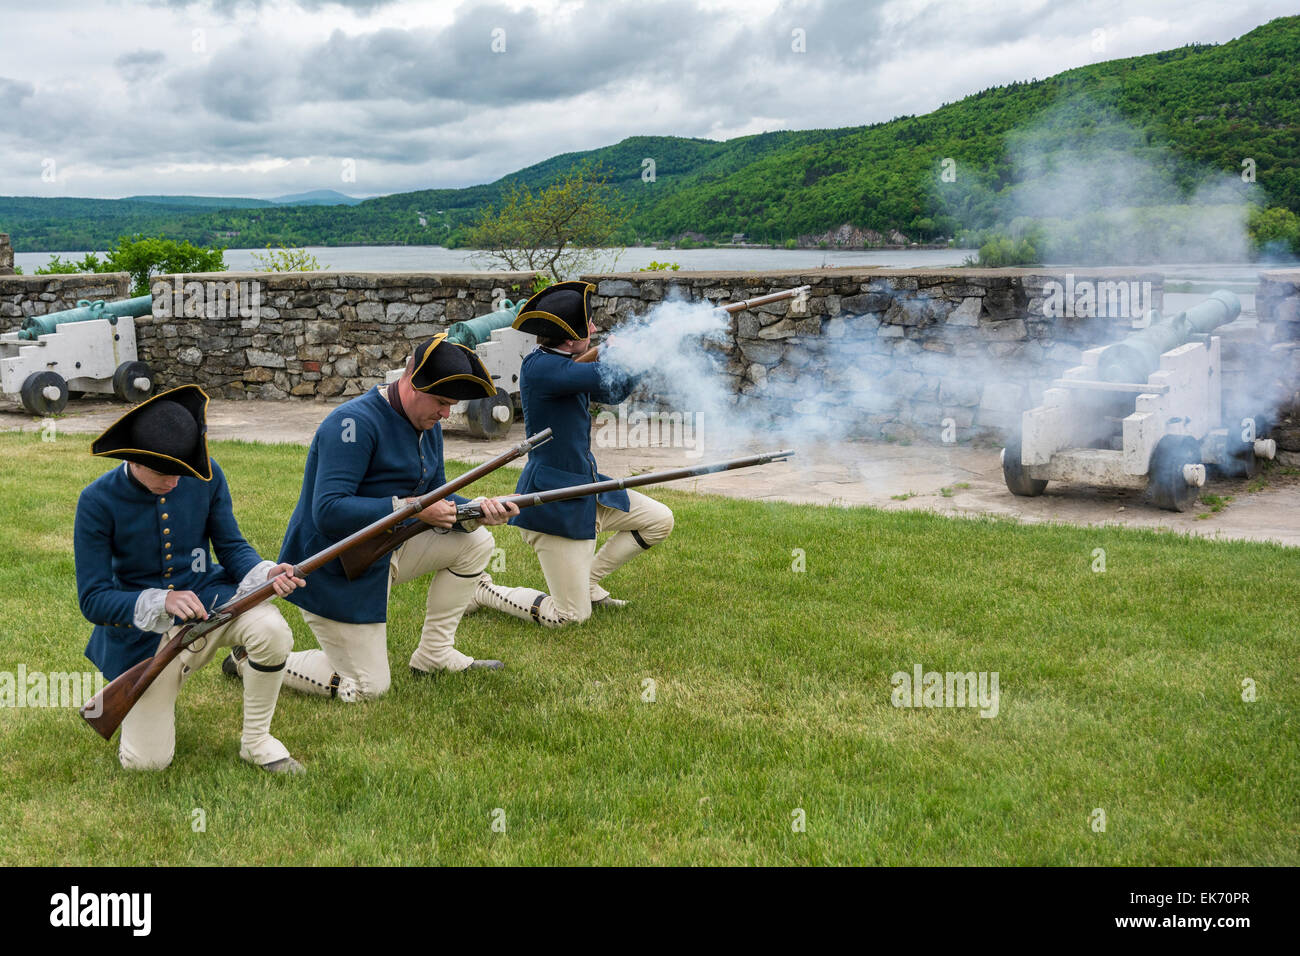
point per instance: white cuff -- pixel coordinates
(151, 611)
(254, 579)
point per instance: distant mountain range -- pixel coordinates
(1159, 127)
(318, 197)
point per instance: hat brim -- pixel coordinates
(115, 441)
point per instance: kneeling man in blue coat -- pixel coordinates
(141, 544)
(368, 458)
(558, 381)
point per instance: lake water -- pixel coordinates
(438, 259)
(1202, 277)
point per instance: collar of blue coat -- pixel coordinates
(561, 310)
(120, 441)
(450, 370)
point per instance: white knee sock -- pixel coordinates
(616, 552)
(261, 690)
(449, 593)
(529, 604)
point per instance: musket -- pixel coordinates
(799, 292)
(795, 293)
(107, 709)
(357, 560)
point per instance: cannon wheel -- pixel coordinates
(480, 418)
(1014, 472)
(1240, 460)
(34, 397)
(124, 386)
(1169, 489)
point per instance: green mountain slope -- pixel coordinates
(1148, 131)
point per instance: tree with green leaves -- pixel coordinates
(286, 260)
(561, 229)
(143, 258)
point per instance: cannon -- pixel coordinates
(502, 350)
(1143, 413)
(62, 355)
(34, 326)
(1138, 355)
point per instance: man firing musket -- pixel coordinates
(558, 382)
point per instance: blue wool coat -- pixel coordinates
(127, 539)
(557, 393)
(363, 455)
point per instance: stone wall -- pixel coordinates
(936, 354)
(313, 335)
(6, 255)
(22, 296)
(947, 355)
(1277, 302)
(893, 353)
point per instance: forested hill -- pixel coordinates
(1165, 126)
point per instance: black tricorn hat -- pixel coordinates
(450, 370)
(558, 311)
(167, 433)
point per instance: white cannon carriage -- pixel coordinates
(89, 349)
(1145, 413)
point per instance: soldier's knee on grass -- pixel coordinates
(371, 688)
(572, 615)
(132, 761)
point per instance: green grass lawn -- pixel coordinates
(1120, 691)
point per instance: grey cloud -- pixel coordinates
(246, 81)
(140, 65)
(429, 107)
(13, 92)
(231, 7)
(543, 58)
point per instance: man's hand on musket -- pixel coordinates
(496, 511)
(185, 605)
(440, 514)
(284, 580)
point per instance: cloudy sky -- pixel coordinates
(267, 97)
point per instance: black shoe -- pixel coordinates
(230, 666)
(286, 765)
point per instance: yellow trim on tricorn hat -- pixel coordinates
(451, 370)
(561, 310)
(157, 434)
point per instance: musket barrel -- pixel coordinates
(534, 498)
(735, 307)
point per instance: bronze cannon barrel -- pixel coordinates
(1138, 355)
